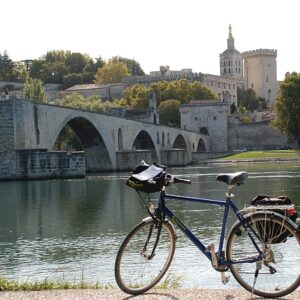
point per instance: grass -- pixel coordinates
(169, 281)
(47, 284)
(268, 154)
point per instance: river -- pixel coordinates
(71, 229)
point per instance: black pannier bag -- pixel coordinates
(147, 179)
(285, 208)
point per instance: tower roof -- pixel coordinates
(230, 43)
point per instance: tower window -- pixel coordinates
(224, 70)
(267, 79)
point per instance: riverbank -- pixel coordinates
(155, 294)
(250, 160)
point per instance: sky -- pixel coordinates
(178, 33)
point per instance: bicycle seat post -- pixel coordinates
(229, 191)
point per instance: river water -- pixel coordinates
(72, 229)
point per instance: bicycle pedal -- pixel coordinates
(224, 278)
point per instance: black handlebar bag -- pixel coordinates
(147, 179)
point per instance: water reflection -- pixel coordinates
(63, 228)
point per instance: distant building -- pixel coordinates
(104, 91)
(256, 69)
(261, 73)
(231, 60)
(208, 117)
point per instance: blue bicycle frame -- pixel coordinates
(227, 204)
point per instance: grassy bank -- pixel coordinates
(46, 284)
(168, 282)
(267, 154)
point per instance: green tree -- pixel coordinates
(111, 72)
(76, 62)
(91, 68)
(133, 66)
(247, 100)
(34, 91)
(169, 112)
(137, 96)
(55, 64)
(6, 67)
(287, 107)
(72, 79)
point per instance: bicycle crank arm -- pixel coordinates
(212, 251)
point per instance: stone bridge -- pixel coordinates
(107, 141)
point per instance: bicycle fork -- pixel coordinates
(144, 251)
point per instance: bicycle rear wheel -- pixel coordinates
(137, 268)
(279, 273)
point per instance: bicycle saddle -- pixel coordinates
(236, 178)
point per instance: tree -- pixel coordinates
(34, 91)
(91, 68)
(72, 79)
(137, 96)
(247, 100)
(6, 67)
(169, 112)
(287, 107)
(52, 67)
(92, 103)
(111, 72)
(133, 66)
(76, 62)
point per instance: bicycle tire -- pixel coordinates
(282, 256)
(134, 272)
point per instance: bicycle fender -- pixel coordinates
(150, 219)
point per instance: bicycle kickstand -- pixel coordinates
(258, 267)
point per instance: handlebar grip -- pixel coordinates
(180, 180)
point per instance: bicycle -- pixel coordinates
(259, 248)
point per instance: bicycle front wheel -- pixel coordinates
(144, 256)
(279, 242)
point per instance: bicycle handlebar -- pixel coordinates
(180, 180)
(173, 179)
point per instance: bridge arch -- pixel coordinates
(180, 143)
(143, 141)
(96, 153)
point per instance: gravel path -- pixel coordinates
(109, 294)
